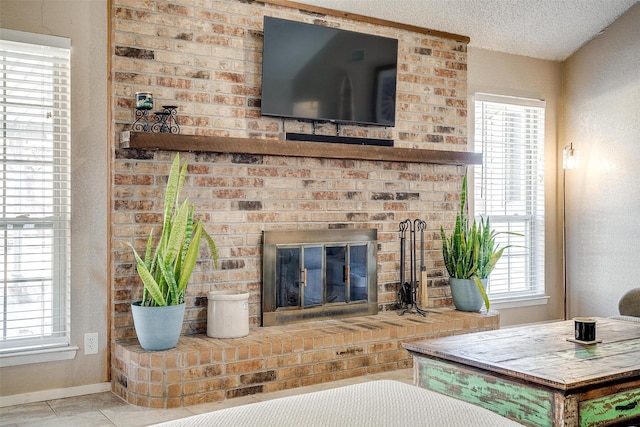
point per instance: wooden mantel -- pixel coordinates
(275, 147)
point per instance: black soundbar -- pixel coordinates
(338, 139)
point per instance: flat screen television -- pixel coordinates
(317, 73)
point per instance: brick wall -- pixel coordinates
(205, 57)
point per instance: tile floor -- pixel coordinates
(106, 409)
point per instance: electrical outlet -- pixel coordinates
(91, 343)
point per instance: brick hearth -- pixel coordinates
(202, 369)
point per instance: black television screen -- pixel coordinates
(317, 73)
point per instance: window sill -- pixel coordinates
(38, 356)
(516, 302)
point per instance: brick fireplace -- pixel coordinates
(206, 61)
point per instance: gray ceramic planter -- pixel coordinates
(158, 328)
(465, 294)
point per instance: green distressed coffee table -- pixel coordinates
(533, 375)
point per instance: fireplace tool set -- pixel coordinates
(408, 291)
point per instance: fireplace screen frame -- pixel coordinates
(273, 240)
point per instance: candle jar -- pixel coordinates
(585, 328)
(144, 101)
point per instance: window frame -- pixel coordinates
(533, 248)
(53, 341)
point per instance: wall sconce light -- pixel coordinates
(569, 157)
(569, 161)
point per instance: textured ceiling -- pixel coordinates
(546, 29)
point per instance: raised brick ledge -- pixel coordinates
(202, 369)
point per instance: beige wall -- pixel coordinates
(512, 75)
(85, 22)
(602, 120)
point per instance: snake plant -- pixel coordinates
(471, 251)
(166, 269)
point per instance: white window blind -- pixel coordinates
(34, 191)
(509, 189)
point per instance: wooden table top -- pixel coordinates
(541, 354)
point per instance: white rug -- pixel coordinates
(376, 403)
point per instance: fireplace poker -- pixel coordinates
(414, 275)
(424, 297)
(405, 287)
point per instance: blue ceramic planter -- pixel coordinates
(465, 294)
(158, 328)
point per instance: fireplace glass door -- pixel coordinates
(309, 276)
(300, 276)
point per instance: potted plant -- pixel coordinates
(470, 254)
(166, 269)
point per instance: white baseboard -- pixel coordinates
(56, 393)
